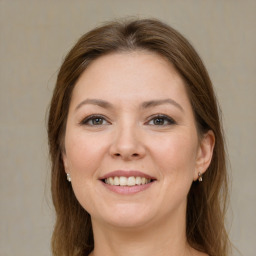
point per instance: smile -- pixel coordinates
(127, 181)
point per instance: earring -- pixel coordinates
(200, 177)
(68, 177)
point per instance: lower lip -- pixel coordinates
(128, 190)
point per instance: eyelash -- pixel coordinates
(165, 119)
(91, 118)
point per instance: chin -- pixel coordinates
(127, 216)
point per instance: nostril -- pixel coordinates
(123, 155)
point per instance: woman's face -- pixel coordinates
(131, 144)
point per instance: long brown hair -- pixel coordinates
(206, 201)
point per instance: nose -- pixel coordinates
(127, 144)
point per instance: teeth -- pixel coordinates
(123, 181)
(111, 181)
(116, 181)
(131, 181)
(138, 180)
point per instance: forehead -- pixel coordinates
(130, 76)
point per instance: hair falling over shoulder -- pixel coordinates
(207, 200)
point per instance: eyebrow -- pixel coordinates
(97, 102)
(146, 104)
(153, 103)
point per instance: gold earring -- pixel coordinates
(68, 177)
(200, 177)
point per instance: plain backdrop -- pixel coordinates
(34, 38)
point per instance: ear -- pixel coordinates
(204, 153)
(65, 162)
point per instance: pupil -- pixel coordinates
(97, 121)
(159, 121)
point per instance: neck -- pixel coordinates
(162, 239)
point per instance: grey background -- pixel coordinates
(35, 36)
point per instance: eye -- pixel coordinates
(94, 120)
(161, 120)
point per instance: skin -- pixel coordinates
(128, 136)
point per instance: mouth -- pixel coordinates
(127, 181)
(127, 178)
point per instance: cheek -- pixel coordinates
(175, 159)
(84, 158)
(176, 154)
(83, 154)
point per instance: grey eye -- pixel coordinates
(94, 121)
(97, 121)
(161, 121)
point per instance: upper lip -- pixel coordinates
(129, 173)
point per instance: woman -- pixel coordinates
(138, 159)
